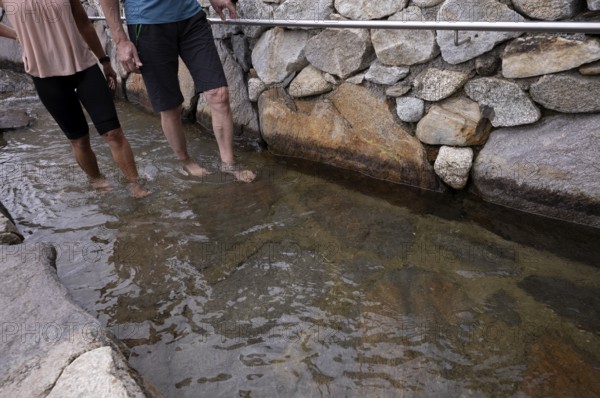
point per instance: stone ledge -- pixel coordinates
(47, 337)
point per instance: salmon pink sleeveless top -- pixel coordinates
(51, 42)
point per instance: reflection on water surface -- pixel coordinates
(310, 281)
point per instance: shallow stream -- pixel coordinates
(311, 281)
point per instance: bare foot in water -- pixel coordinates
(100, 184)
(193, 169)
(137, 190)
(237, 172)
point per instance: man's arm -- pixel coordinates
(126, 52)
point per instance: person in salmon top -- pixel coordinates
(61, 51)
(161, 31)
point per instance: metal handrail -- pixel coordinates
(557, 27)
(551, 27)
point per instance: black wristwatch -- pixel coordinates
(104, 60)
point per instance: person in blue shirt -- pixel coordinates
(159, 32)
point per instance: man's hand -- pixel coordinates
(128, 56)
(220, 5)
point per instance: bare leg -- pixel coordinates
(86, 159)
(222, 121)
(173, 128)
(123, 156)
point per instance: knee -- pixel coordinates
(171, 114)
(114, 137)
(218, 96)
(81, 143)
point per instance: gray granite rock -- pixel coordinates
(435, 84)
(383, 74)
(473, 44)
(593, 5)
(511, 105)
(567, 92)
(549, 10)
(427, 3)
(398, 90)
(405, 47)
(550, 168)
(453, 165)
(304, 10)
(369, 9)
(410, 109)
(278, 53)
(357, 79)
(341, 52)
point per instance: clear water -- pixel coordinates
(310, 281)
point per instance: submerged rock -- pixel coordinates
(550, 168)
(557, 369)
(502, 306)
(578, 303)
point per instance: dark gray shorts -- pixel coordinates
(160, 46)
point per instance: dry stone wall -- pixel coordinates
(451, 96)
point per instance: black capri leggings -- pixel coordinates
(63, 95)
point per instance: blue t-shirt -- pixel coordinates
(159, 11)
